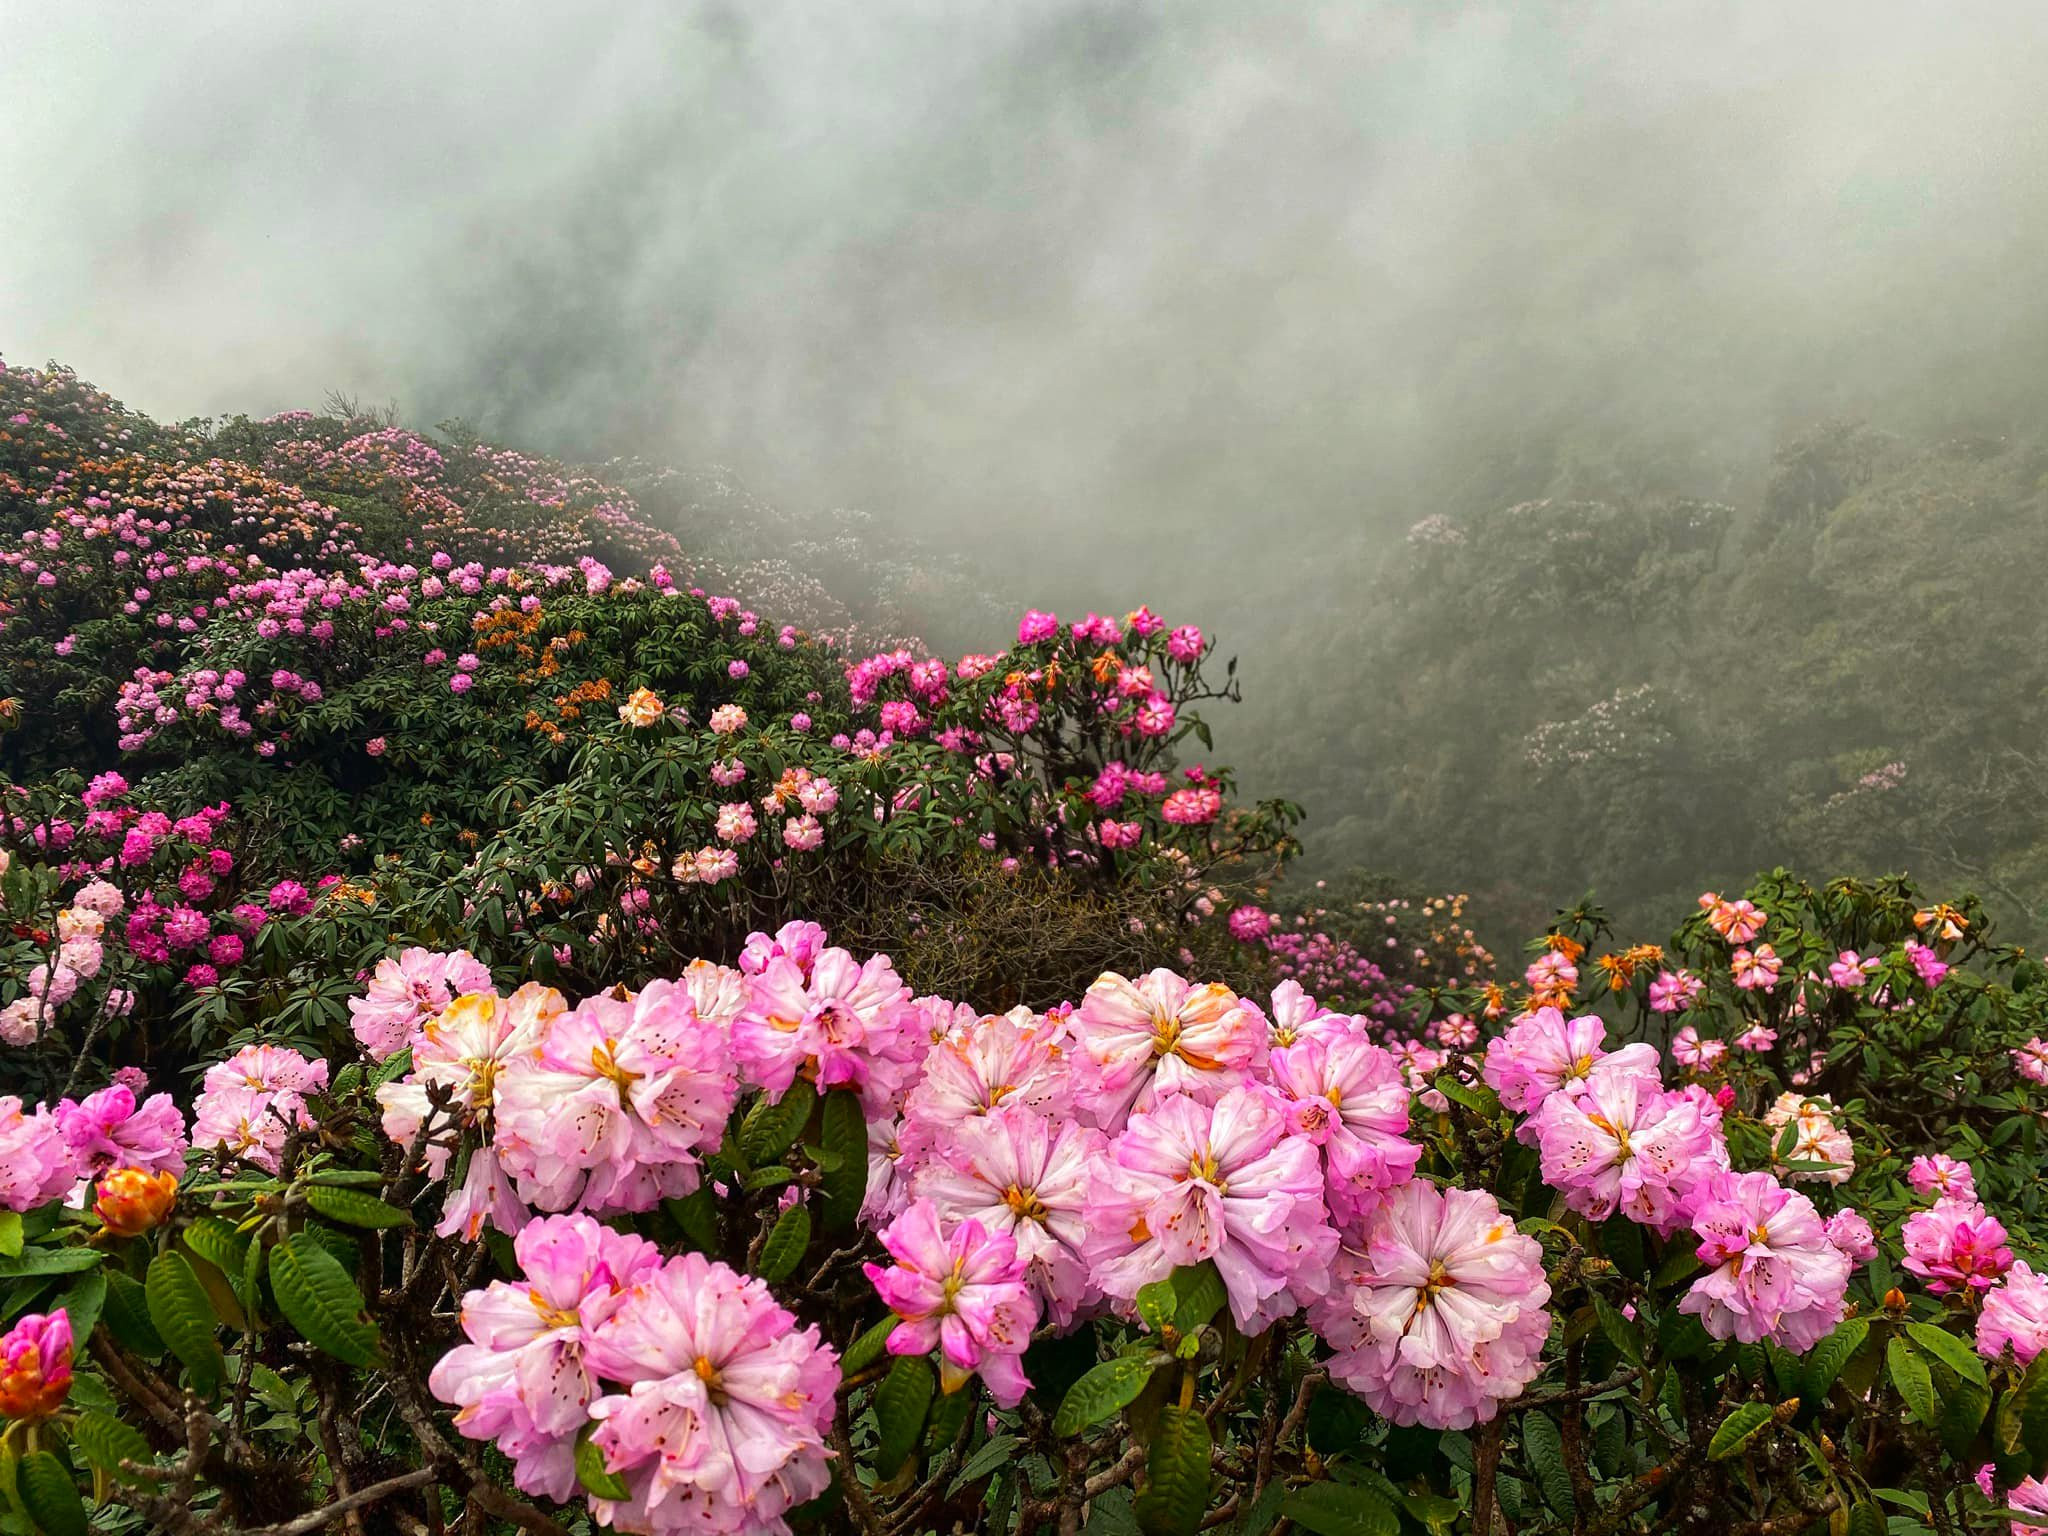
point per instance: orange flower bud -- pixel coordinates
(132, 1202)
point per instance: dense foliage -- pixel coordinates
(500, 1034)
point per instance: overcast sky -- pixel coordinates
(1191, 287)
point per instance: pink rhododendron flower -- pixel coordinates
(1543, 1053)
(615, 1107)
(847, 1023)
(1674, 991)
(467, 1048)
(1849, 970)
(1756, 970)
(2031, 1060)
(250, 1104)
(1738, 922)
(525, 1378)
(1773, 1274)
(407, 990)
(801, 942)
(1294, 1016)
(1624, 1144)
(36, 1165)
(2015, 1315)
(962, 1292)
(723, 1425)
(1756, 1038)
(1956, 1245)
(1850, 1233)
(1927, 965)
(988, 1063)
(1137, 1040)
(1348, 1096)
(1943, 1177)
(1024, 1174)
(1228, 1182)
(1691, 1050)
(109, 1129)
(1438, 1317)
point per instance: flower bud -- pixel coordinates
(35, 1365)
(132, 1201)
(1895, 1302)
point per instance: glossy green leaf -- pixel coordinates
(770, 1130)
(319, 1299)
(1104, 1390)
(1914, 1381)
(106, 1442)
(184, 1318)
(1340, 1509)
(353, 1208)
(49, 1495)
(1177, 1474)
(1738, 1429)
(598, 1481)
(844, 1135)
(901, 1403)
(868, 1348)
(784, 1249)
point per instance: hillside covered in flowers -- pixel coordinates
(524, 1007)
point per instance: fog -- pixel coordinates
(1202, 304)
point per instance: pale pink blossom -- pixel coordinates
(2015, 1314)
(1624, 1144)
(408, 989)
(1958, 1245)
(1438, 1317)
(1348, 1096)
(847, 1023)
(1772, 1273)
(1137, 1040)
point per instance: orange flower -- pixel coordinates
(1565, 945)
(132, 1202)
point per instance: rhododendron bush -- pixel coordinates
(446, 1082)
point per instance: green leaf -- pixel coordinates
(182, 1314)
(1738, 1429)
(1621, 1333)
(127, 1317)
(49, 1495)
(319, 1299)
(106, 1442)
(772, 1129)
(901, 1402)
(844, 1188)
(217, 1243)
(597, 1480)
(353, 1208)
(1157, 1304)
(1866, 1519)
(1962, 1415)
(1201, 1293)
(1949, 1350)
(697, 1218)
(1825, 1363)
(1340, 1509)
(1544, 1445)
(1104, 1390)
(10, 1234)
(787, 1240)
(82, 1301)
(49, 1261)
(1176, 1493)
(998, 1450)
(867, 1349)
(1915, 1382)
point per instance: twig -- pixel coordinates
(418, 1478)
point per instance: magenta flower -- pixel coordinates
(1137, 1040)
(962, 1292)
(2015, 1315)
(525, 1378)
(109, 1130)
(1025, 1175)
(1440, 1317)
(2031, 1060)
(1956, 1245)
(1228, 1182)
(1756, 970)
(1674, 991)
(722, 1426)
(1943, 1177)
(35, 1365)
(1624, 1144)
(1773, 1274)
